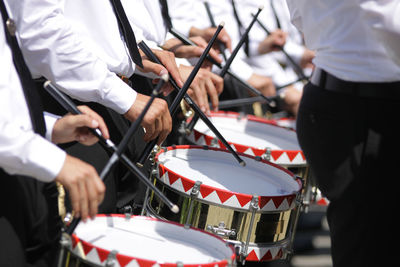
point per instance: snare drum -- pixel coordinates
(257, 137)
(118, 240)
(254, 207)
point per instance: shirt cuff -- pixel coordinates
(120, 97)
(41, 160)
(295, 51)
(50, 120)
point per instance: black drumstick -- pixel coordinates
(175, 104)
(193, 105)
(70, 106)
(211, 17)
(239, 45)
(187, 41)
(298, 69)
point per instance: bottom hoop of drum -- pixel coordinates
(120, 241)
(266, 251)
(253, 207)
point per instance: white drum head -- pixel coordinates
(251, 133)
(153, 240)
(217, 170)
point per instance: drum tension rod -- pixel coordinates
(253, 207)
(193, 195)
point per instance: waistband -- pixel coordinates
(329, 82)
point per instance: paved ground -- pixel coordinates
(313, 244)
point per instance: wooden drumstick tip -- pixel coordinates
(46, 83)
(165, 77)
(138, 164)
(242, 163)
(175, 209)
(261, 7)
(139, 41)
(222, 24)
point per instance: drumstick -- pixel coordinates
(191, 103)
(210, 16)
(251, 100)
(187, 41)
(298, 69)
(175, 104)
(236, 50)
(70, 106)
(239, 45)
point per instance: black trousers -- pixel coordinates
(351, 144)
(30, 227)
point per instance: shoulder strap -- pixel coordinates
(31, 94)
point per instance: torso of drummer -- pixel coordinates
(342, 125)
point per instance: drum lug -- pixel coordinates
(195, 189)
(193, 195)
(111, 258)
(267, 154)
(241, 116)
(183, 128)
(65, 245)
(221, 230)
(214, 142)
(253, 208)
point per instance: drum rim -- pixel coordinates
(263, 200)
(258, 151)
(75, 240)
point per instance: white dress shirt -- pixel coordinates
(75, 62)
(293, 46)
(147, 22)
(345, 45)
(383, 17)
(194, 14)
(270, 64)
(21, 150)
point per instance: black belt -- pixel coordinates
(329, 82)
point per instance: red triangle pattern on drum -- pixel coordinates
(267, 256)
(75, 241)
(224, 263)
(278, 201)
(252, 256)
(145, 263)
(292, 154)
(276, 154)
(221, 145)
(205, 191)
(123, 260)
(224, 195)
(86, 248)
(103, 254)
(243, 199)
(290, 199)
(197, 135)
(187, 184)
(172, 177)
(240, 148)
(262, 201)
(208, 140)
(279, 255)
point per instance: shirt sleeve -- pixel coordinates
(26, 153)
(52, 50)
(186, 14)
